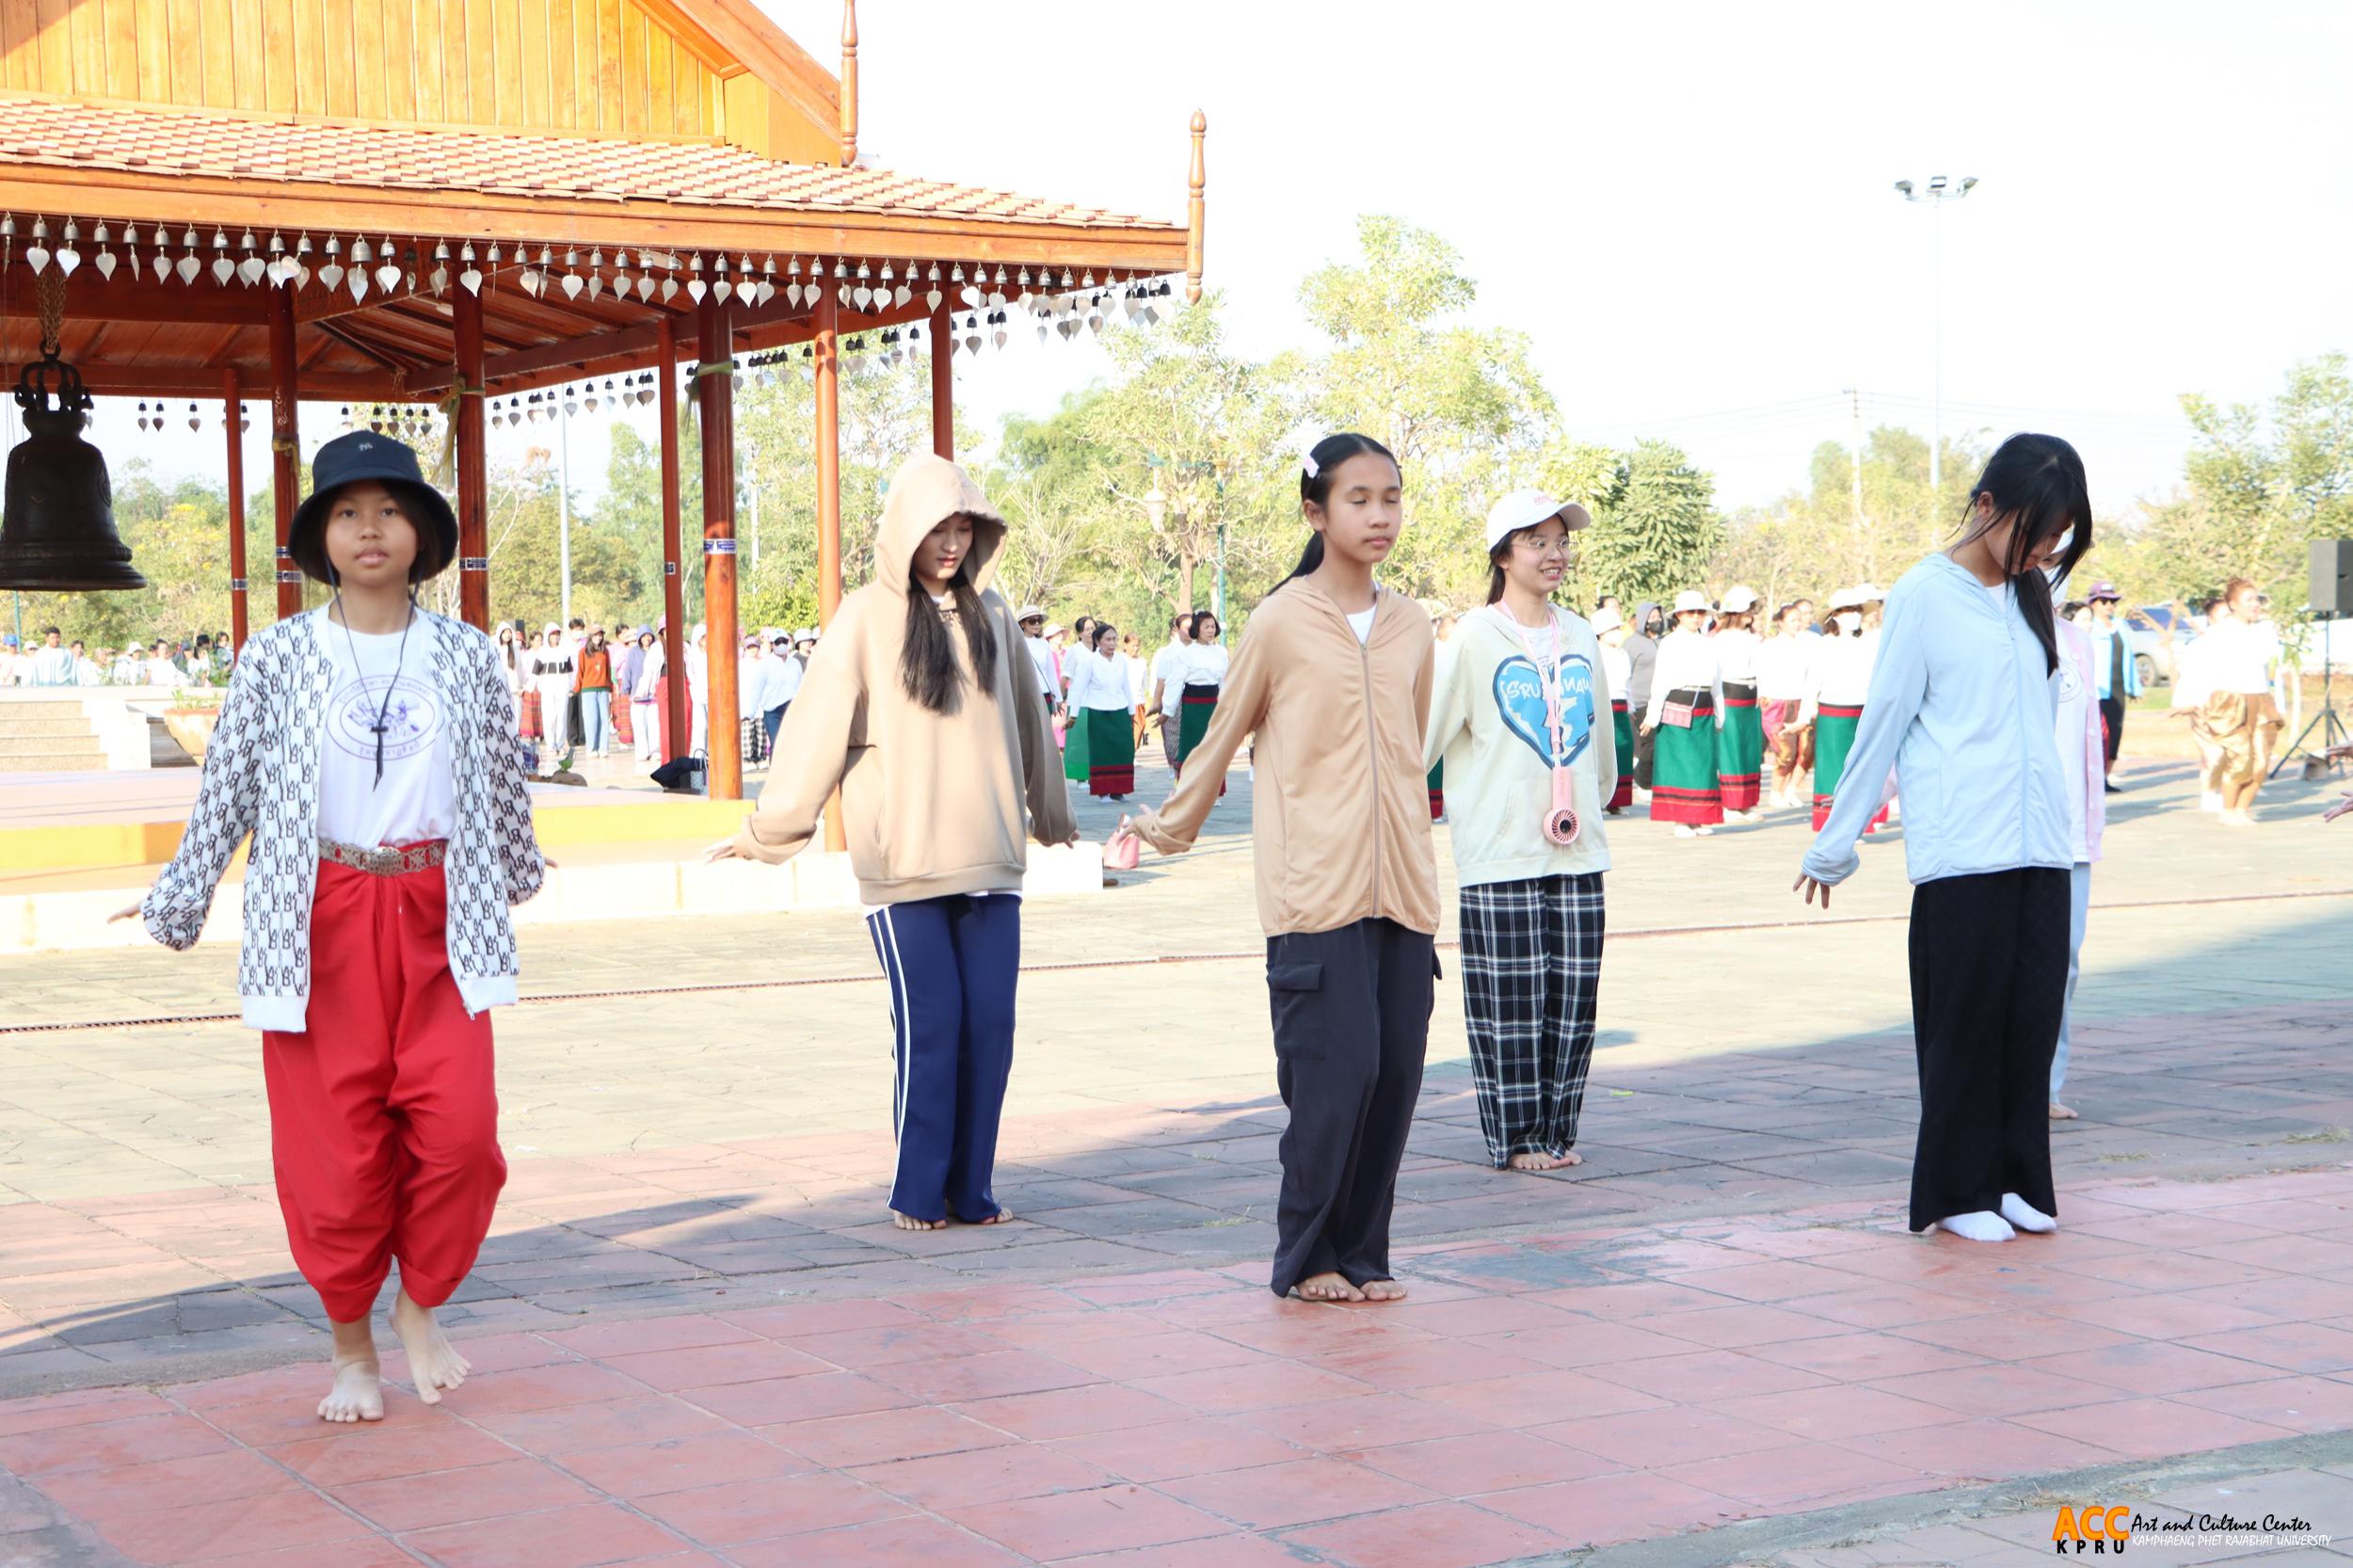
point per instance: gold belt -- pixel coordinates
(387, 861)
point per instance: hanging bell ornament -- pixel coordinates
(57, 522)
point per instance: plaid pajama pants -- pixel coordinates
(1531, 967)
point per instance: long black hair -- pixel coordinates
(2038, 482)
(1315, 484)
(927, 659)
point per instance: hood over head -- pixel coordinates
(926, 491)
(1642, 614)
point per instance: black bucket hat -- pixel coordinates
(365, 454)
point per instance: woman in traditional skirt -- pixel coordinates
(1785, 662)
(1686, 705)
(1740, 740)
(1071, 718)
(1102, 725)
(2239, 718)
(1842, 679)
(1205, 674)
(1610, 629)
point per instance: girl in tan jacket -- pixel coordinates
(922, 675)
(1332, 676)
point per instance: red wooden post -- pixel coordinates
(716, 394)
(828, 389)
(474, 484)
(286, 457)
(675, 720)
(943, 383)
(233, 417)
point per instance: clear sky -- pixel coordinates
(1689, 206)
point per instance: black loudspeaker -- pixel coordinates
(2332, 577)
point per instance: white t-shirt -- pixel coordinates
(1042, 658)
(1204, 665)
(52, 666)
(1361, 623)
(416, 799)
(2237, 656)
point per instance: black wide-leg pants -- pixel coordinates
(1988, 986)
(1351, 1023)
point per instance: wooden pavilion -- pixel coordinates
(449, 202)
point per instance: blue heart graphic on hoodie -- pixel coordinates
(1520, 703)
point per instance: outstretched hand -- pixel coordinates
(130, 913)
(2339, 808)
(723, 850)
(1809, 887)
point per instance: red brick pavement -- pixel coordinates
(1536, 1395)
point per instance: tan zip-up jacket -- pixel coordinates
(1340, 803)
(933, 804)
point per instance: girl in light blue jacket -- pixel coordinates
(1962, 703)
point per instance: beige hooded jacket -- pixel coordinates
(933, 804)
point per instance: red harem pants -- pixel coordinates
(384, 1116)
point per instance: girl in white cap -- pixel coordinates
(1686, 705)
(1517, 716)
(552, 682)
(1741, 743)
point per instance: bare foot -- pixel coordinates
(1383, 1290)
(358, 1391)
(1326, 1287)
(908, 1221)
(2060, 1113)
(1003, 1216)
(434, 1363)
(1529, 1159)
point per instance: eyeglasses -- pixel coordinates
(1537, 546)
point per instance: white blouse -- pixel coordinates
(1736, 655)
(1686, 662)
(1204, 665)
(1842, 669)
(1096, 682)
(2235, 657)
(1784, 668)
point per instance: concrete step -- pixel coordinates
(89, 760)
(16, 726)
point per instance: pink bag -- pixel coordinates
(1676, 714)
(1122, 851)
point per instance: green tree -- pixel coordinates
(1460, 406)
(1655, 531)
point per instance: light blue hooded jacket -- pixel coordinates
(1962, 708)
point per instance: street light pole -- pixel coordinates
(1939, 191)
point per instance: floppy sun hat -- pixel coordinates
(364, 454)
(1739, 601)
(1607, 618)
(1690, 599)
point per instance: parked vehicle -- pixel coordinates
(2145, 632)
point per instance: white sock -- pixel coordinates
(2210, 800)
(1981, 1226)
(1685, 831)
(2025, 1216)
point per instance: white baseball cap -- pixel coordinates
(1526, 509)
(1606, 619)
(1690, 599)
(1738, 601)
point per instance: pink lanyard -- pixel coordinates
(1561, 824)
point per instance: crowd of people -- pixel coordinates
(52, 660)
(378, 885)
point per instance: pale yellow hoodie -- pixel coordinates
(933, 804)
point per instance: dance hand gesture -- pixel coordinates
(723, 850)
(130, 912)
(1807, 886)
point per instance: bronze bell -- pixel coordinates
(57, 523)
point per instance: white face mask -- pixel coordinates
(1848, 621)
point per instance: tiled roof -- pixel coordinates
(193, 144)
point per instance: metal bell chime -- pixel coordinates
(57, 522)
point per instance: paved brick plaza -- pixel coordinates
(699, 1343)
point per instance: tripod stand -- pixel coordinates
(2333, 731)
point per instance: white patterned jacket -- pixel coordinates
(261, 776)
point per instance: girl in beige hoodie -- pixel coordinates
(921, 678)
(1332, 676)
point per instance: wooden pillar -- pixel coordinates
(829, 390)
(849, 83)
(1195, 206)
(943, 382)
(286, 457)
(673, 574)
(473, 484)
(715, 389)
(233, 418)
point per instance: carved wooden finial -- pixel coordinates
(1194, 215)
(849, 83)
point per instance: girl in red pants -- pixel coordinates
(369, 748)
